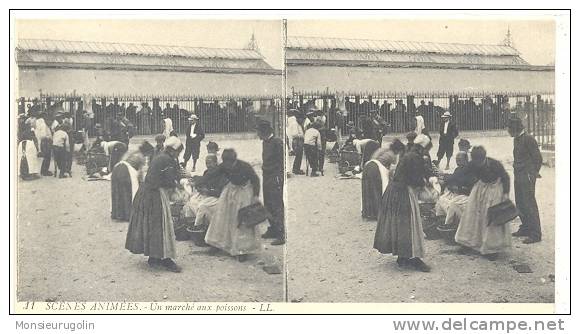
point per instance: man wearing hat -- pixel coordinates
(527, 164)
(194, 135)
(447, 134)
(273, 181)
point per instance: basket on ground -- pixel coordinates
(348, 160)
(95, 162)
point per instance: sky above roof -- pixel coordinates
(534, 39)
(194, 33)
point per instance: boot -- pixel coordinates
(169, 265)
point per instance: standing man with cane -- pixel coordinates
(194, 136)
(273, 181)
(527, 164)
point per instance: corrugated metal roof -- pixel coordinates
(60, 46)
(323, 43)
(40, 57)
(388, 57)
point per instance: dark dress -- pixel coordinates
(121, 193)
(399, 223)
(151, 228)
(372, 190)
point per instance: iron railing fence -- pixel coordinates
(471, 111)
(217, 114)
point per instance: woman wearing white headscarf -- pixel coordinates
(399, 229)
(151, 226)
(419, 124)
(28, 154)
(167, 127)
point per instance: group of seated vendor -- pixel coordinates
(457, 188)
(206, 191)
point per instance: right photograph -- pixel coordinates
(420, 160)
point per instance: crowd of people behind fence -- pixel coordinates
(469, 113)
(216, 116)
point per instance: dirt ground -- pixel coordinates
(70, 250)
(330, 255)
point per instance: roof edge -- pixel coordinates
(349, 63)
(18, 47)
(36, 65)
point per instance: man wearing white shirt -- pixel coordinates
(313, 146)
(295, 134)
(194, 135)
(44, 136)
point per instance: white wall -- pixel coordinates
(108, 82)
(365, 79)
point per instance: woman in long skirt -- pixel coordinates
(151, 226)
(399, 229)
(492, 187)
(124, 185)
(243, 189)
(375, 178)
(27, 153)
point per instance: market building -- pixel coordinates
(106, 69)
(357, 65)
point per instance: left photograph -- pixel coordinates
(150, 160)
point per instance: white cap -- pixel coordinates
(173, 142)
(422, 140)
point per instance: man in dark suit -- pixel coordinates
(273, 181)
(527, 164)
(194, 136)
(447, 134)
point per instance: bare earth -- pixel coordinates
(330, 255)
(70, 250)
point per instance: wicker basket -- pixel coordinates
(348, 160)
(95, 162)
(198, 236)
(448, 233)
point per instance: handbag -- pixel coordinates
(253, 215)
(502, 213)
(24, 170)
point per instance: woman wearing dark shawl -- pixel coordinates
(243, 189)
(151, 226)
(124, 185)
(399, 229)
(492, 187)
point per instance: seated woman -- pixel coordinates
(453, 201)
(212, 148)
(492, 187)
(243, 189)
(208, 188)
(124, 185)
(375, 178)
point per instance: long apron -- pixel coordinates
(224, 232)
